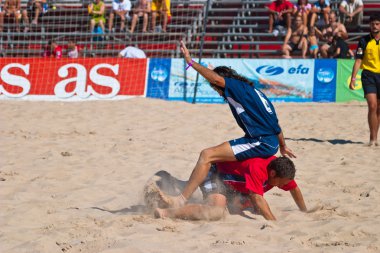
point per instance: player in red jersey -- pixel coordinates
(242, 184)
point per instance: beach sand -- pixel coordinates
(72, 176)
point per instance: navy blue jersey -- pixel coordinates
(252, 110)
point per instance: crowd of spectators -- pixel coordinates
(315, 26)
(121, 12)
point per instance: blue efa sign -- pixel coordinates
(269, 70)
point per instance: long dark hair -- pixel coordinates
(225, 71)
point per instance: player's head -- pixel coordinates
(281, 171)
(374, 22)
(227, 72)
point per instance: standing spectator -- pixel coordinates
(53, 50)
(335, 29)
(368, 59)
(12, 10)
(72, 50)
(131, 52)
(120, 8)
(161, 8)
(351, 12)
(142, 9)
(295, 39)
(279, 15)
(97, 10)
(320, 13)
(302, 8)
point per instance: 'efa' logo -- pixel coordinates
(270, 70)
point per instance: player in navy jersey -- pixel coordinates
(253, 112)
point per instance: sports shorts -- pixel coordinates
(247, 147)
(371, 83)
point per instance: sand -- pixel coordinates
(72, 176)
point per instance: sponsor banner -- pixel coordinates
(343, 91)
(95, 78)
(158, 78)
(281, 80)
(324, 81)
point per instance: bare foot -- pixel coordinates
(160, 213)
(373, 144)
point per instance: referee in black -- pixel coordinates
(368, 58)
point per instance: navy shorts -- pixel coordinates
(371, 83)
(213, 184)
(247, 147)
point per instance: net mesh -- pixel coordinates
(50, 47)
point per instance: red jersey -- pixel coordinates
(56, 53)
(279, 5)
(250, 175)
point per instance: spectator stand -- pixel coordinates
(69, 20)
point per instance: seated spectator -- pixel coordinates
(339, 49)
(97, 10)
(303, 9)
(279, 14)
(72, 50)
(1, 18)
(295, 39)
(335, 29)
(131, 52)
(142, 9)
(160, 8)
(53, 50)
(351, 12)
(12, 11)
(120, 8)
(320, 13)
(35, 9)
(313, 42)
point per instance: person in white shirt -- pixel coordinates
(121, 9)
(131, 52)
(351, 12)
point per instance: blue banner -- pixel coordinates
(158, 78)
(325, 80)
(281, 80)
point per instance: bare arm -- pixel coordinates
(298, 198)
(208, 74)
(355, 70)
(262, 206)
(284, 150)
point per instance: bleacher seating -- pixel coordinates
(235, 28)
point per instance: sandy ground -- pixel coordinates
(72, 176)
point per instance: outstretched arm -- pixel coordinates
(284, 150)
(208, 74)
(298, 198)
(262, 206)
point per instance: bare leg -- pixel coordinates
(214, 209)
(286, 52)
(92, 25)
(101, 24)
(271, 22)
(373, 117)
(122, 25)
(154, 16)
(165, 20)
(222, 152)
(145, 22)
(110, 21)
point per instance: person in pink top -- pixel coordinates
(240, 184)
(280, 12)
